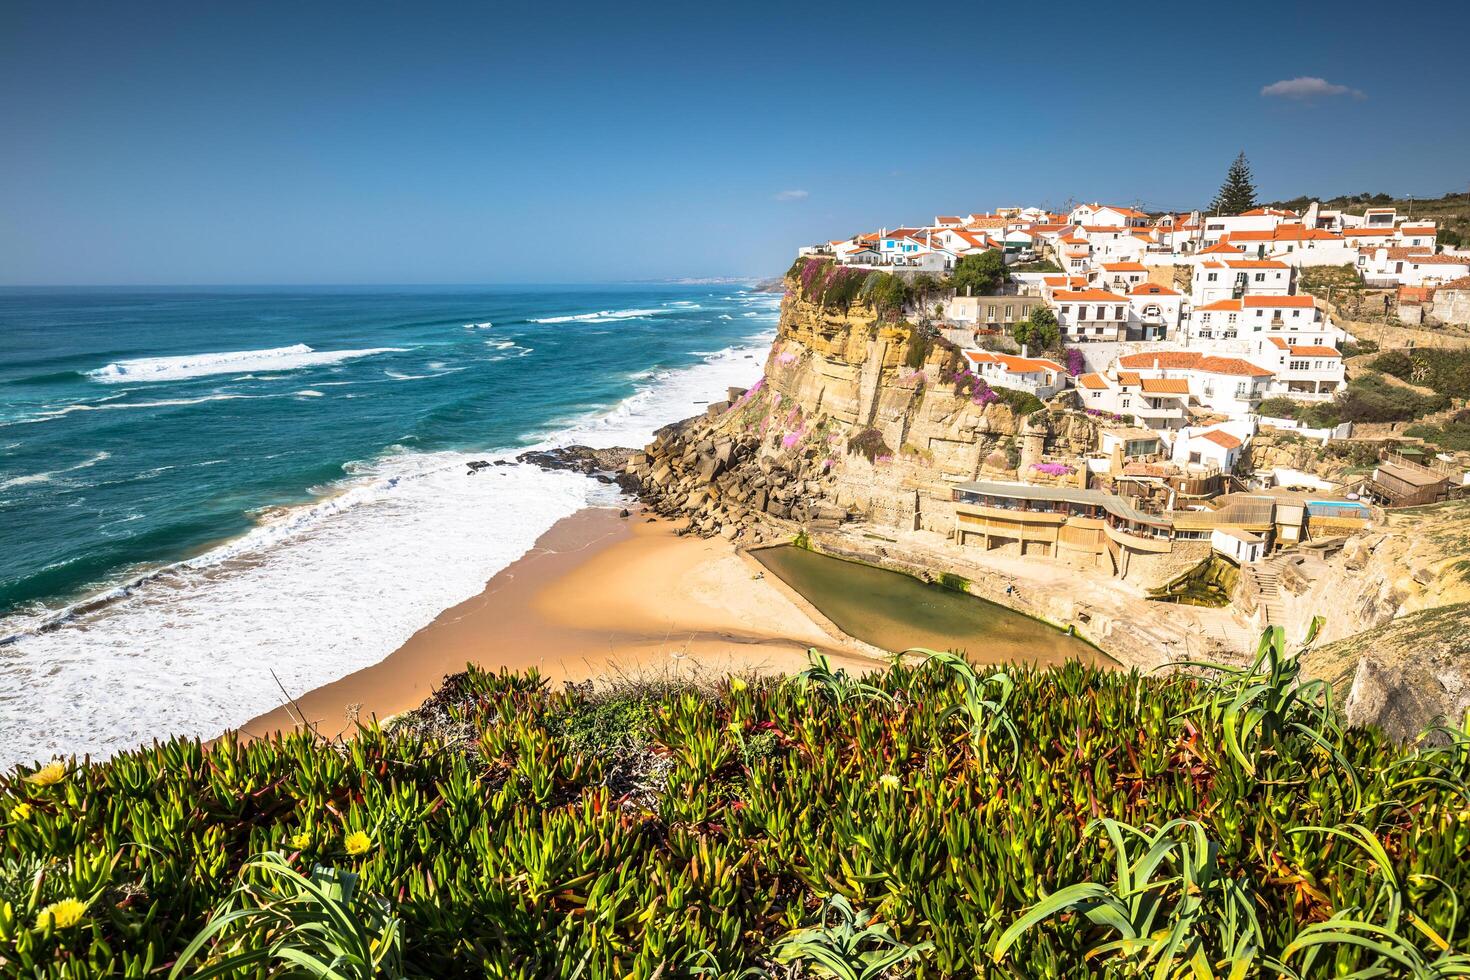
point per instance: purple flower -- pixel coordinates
(1053, 469)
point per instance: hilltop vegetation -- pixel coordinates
(1451, 211)
(1025, 823)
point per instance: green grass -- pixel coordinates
(513, 830)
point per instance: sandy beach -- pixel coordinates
(599, 596)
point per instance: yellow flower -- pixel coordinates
(61, 915)
(357, 842)
(19, 812)
(737, 685)
(889, 781)
(301, 841)
(48, 775)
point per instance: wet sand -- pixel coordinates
(598, 597)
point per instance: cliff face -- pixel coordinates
(867, 417)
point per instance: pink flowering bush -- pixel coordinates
(1053, 469)
(1076, 363)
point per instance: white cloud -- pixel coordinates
(792, 196)
(1307, 87)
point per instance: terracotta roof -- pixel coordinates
(1256, 264)
(1223, 439)
(1315, 351)
(1192, 360)
(1166, 386)
(1152, 289)
(946, 219)
(1461, 283)
(1092, 381)
(1249, 236)
(1220, 305)
(1012, 363)
(1441, 260)
(1129, 378)
(1264, 212)
(1221, 248)
(1125, 267)
(1065, 280)
(1251, 300)
(1359, 232)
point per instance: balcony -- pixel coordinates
(1137, 542)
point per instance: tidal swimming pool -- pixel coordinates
(896, 611)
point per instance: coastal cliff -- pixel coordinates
(855, 417)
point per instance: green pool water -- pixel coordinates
(895, 611)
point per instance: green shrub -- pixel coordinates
(919, 345)
(1453, 436)
(1445, 372)
(494, 834)
(1021, 402)
(1369, 398)
(869, 444)
(1281, 407)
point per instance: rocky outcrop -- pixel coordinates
(1406, 675)
(855, 417)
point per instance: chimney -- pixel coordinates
(1023, 351)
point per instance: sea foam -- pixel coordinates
(313, 592)
(185, 366)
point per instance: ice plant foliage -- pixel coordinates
(1072, 822)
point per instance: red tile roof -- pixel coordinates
(1223, 439)
(1152, 289)
(1088, 295)
(1125, 267)
(1192, 360)
(1012, 363)
(1092, 381)
(1166, 386)
(1314, 351)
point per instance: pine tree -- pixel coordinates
(1238, 193)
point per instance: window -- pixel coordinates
(1296, 312)
(1010, 313)
(1230, 319)
(1117, 313)
(1300, 365)
(1066, 309)
(1240, 389)
(1211, 277)
(990, 313)
(1097, 394)
(1260, 277)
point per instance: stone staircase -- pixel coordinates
(1267, 576)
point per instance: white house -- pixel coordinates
(1211, 447)
(1230, 386)
(1074, 254)
(1230, 278)
(1410, 266)
(1037, 375)
(1242, 547)
(1105, 214)
(1250, 319)
(1091, 314)
(1153, 311)
(1220, 227)
(1121, 277)
(1303, 371)
(1156, 404)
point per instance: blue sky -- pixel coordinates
(402, 143)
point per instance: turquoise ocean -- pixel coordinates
(203, 488)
